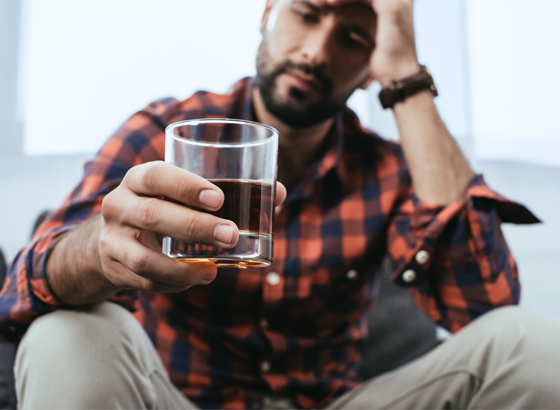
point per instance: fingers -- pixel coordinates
(137, 204)
(281, 194)
(157, 179)
(168, 219)
(131, 265)
(125, 279)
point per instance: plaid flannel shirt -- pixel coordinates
(296, 327)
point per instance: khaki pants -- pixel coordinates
(101, 358)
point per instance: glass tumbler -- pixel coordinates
(240, 157)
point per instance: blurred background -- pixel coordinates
(72, 71)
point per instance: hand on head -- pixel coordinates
(394, 56)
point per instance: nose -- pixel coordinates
(316, 46)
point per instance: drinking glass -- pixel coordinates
(240, 157)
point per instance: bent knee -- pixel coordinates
(519, 322)
(72, 350)
(517, 315)
(100, 331)
(93, 325)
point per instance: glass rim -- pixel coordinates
(196, 121)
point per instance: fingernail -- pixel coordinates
(209, 198)
(208, 276)
(223, 233)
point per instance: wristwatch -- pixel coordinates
(399, 90)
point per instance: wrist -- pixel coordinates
(398, 72)
(74, 271)
(422, 102)
(92, 254)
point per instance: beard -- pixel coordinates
(294, 110)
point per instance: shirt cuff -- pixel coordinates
(40, 289)
(36, 266)
(429, 221)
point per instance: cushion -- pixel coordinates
(398, 330)
(7, 390)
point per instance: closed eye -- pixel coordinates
(354, 40)
(356, 37)
(308, 17)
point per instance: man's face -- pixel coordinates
(312, 59)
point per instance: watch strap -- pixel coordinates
(399, 90)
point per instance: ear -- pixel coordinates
(266, 15)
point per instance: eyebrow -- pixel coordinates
(312, 6)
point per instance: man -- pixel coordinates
(288, 335)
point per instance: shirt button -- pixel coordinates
(273, 278)
(264, 323)
(422, 257)
(409, 276)
(352, 274)
(265, 366)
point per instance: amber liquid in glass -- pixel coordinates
(250, 205)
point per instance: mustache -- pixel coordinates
(308, 69)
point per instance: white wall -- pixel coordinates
(442, 46)
(10, 126)
(89, 64)
(514, 65)
(92, 63)
(495, 63)
(89, 67)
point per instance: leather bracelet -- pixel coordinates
(398, 91)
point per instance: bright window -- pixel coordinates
(91, 63)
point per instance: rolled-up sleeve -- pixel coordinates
(26, 293)
(454, 259)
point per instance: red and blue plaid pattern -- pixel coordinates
(296, 327)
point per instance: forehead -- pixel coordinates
(353, 12)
